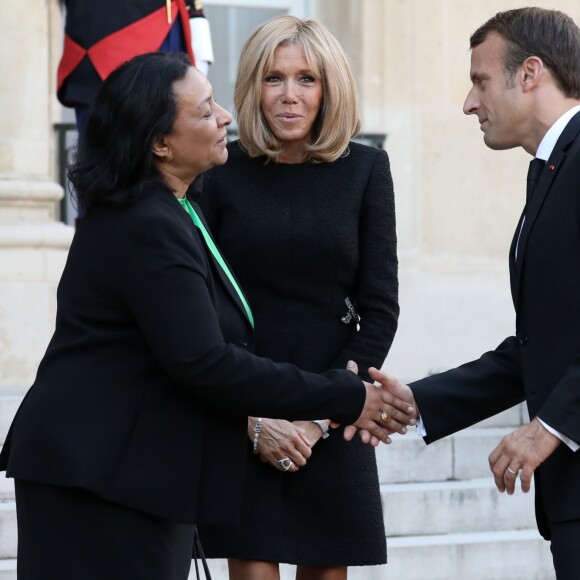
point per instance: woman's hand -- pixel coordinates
(312, 430)
(365, 436)
(282, 443)
(383, 412)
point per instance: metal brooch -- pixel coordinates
(351, 314)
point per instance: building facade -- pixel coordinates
(457, 206)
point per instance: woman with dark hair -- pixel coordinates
(134, 429)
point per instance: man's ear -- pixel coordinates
(531, 72)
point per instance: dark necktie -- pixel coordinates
(536, 166)
(534, 170)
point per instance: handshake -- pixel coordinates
(389, 408)
(287, 446)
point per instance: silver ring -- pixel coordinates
(285, 463)
(512, 471)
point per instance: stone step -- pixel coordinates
(8, 407)
(8, 536)
(7, 569)
(460, 456)
(454, 507)
(444, 491)
(509, 418)
(409, 510)
(6, 486)
(407, 459)
(513, 555)
(508, 555)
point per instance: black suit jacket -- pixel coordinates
(143, 394)
(541, 363)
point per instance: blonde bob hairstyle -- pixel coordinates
(338, 119)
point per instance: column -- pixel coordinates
(33, 242)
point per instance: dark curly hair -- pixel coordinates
(133, 107)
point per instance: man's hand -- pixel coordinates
(524, 450)
(395, 387)
(397, 409)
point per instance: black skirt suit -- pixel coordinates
(143, 393)
(302, 238)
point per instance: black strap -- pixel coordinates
(198, 553)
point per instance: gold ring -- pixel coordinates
(512, 471)
(385, 417)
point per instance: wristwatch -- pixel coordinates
(323, 425)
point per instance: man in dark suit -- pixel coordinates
(525, 70)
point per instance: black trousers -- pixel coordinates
(565, 547)
(69, 534)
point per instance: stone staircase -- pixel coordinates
(444, 518)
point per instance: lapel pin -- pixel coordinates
(551, 167)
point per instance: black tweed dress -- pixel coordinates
(301, 239)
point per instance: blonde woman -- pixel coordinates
(306, 218)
